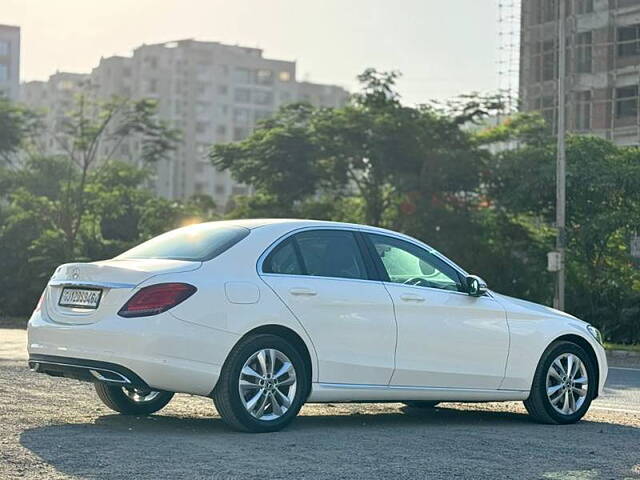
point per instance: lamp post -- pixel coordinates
(561, 193)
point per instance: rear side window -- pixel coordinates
(197, 243)
(321, 253)
(284, 259)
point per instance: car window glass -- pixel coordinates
(283, 260)
(409, 264)
(331, 253)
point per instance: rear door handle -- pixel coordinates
(301, 291)
(412, 297)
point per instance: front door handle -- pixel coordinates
(412, 297)
(301, 291)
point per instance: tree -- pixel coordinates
(17, 124)
(94, 127)
(603, 210)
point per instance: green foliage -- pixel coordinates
(83, 205)
(17, 124)
(421, 171)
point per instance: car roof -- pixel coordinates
(294, 223)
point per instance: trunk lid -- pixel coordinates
(114, 280)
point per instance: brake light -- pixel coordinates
(156, 299)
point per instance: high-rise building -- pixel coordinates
(213, 93)
(9, 61)
(603, 65)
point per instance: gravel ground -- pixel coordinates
(57, 428)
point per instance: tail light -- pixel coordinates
(156, 299)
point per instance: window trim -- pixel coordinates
(358, 231)
(290, 236)
(382, 272)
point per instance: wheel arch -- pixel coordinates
(288, 334)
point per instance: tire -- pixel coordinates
(132, 402)
(540, 405)
(269, 412)
(424, 404)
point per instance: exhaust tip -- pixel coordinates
(34, 366)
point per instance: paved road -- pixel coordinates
(622, 391)
(57, 429)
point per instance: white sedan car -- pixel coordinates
(265, 315)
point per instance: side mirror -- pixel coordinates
(476, 287)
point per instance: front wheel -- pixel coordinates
(132, 401)
(262, 386)
(563, 386)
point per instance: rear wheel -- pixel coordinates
(563, 386)
(263, 385)
(132, 401)
(421, 404)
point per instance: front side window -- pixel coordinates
(319, 253)
(409, 264)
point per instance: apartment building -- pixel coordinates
(212, 92)
(9, 61)
(603, 65)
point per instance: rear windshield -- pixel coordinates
(197, 243)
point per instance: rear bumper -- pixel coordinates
(86, 370)
(159, 352)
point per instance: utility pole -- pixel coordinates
(561, 191)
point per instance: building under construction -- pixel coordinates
(602, 65)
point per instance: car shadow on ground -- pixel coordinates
(409, 443)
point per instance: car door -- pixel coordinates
(446, 338)
(329, 285)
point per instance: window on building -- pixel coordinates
(260, 97)
(628, 41)
(583, 110)
(203, 108)
(584, 6)
(152, 86)
(220, 189)
(626, 101)
(584, 52)
(548, 61)
(627, 3)
(242, 95)
(240, 133)
(549, 10)
(223, 89)
(4, 72)
(241, 116)
(262, 115)
(221, 130)
(264, 77)
(284, 77)
(285, 97)
(4, 48)
(202, 127)
(242, 75)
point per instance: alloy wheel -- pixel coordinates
(567, 383)
(139, 395)
(267, 384)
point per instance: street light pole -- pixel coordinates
(561, 192)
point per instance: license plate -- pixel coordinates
(80, 297)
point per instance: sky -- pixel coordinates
(442, 47)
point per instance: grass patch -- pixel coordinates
(621, 346)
